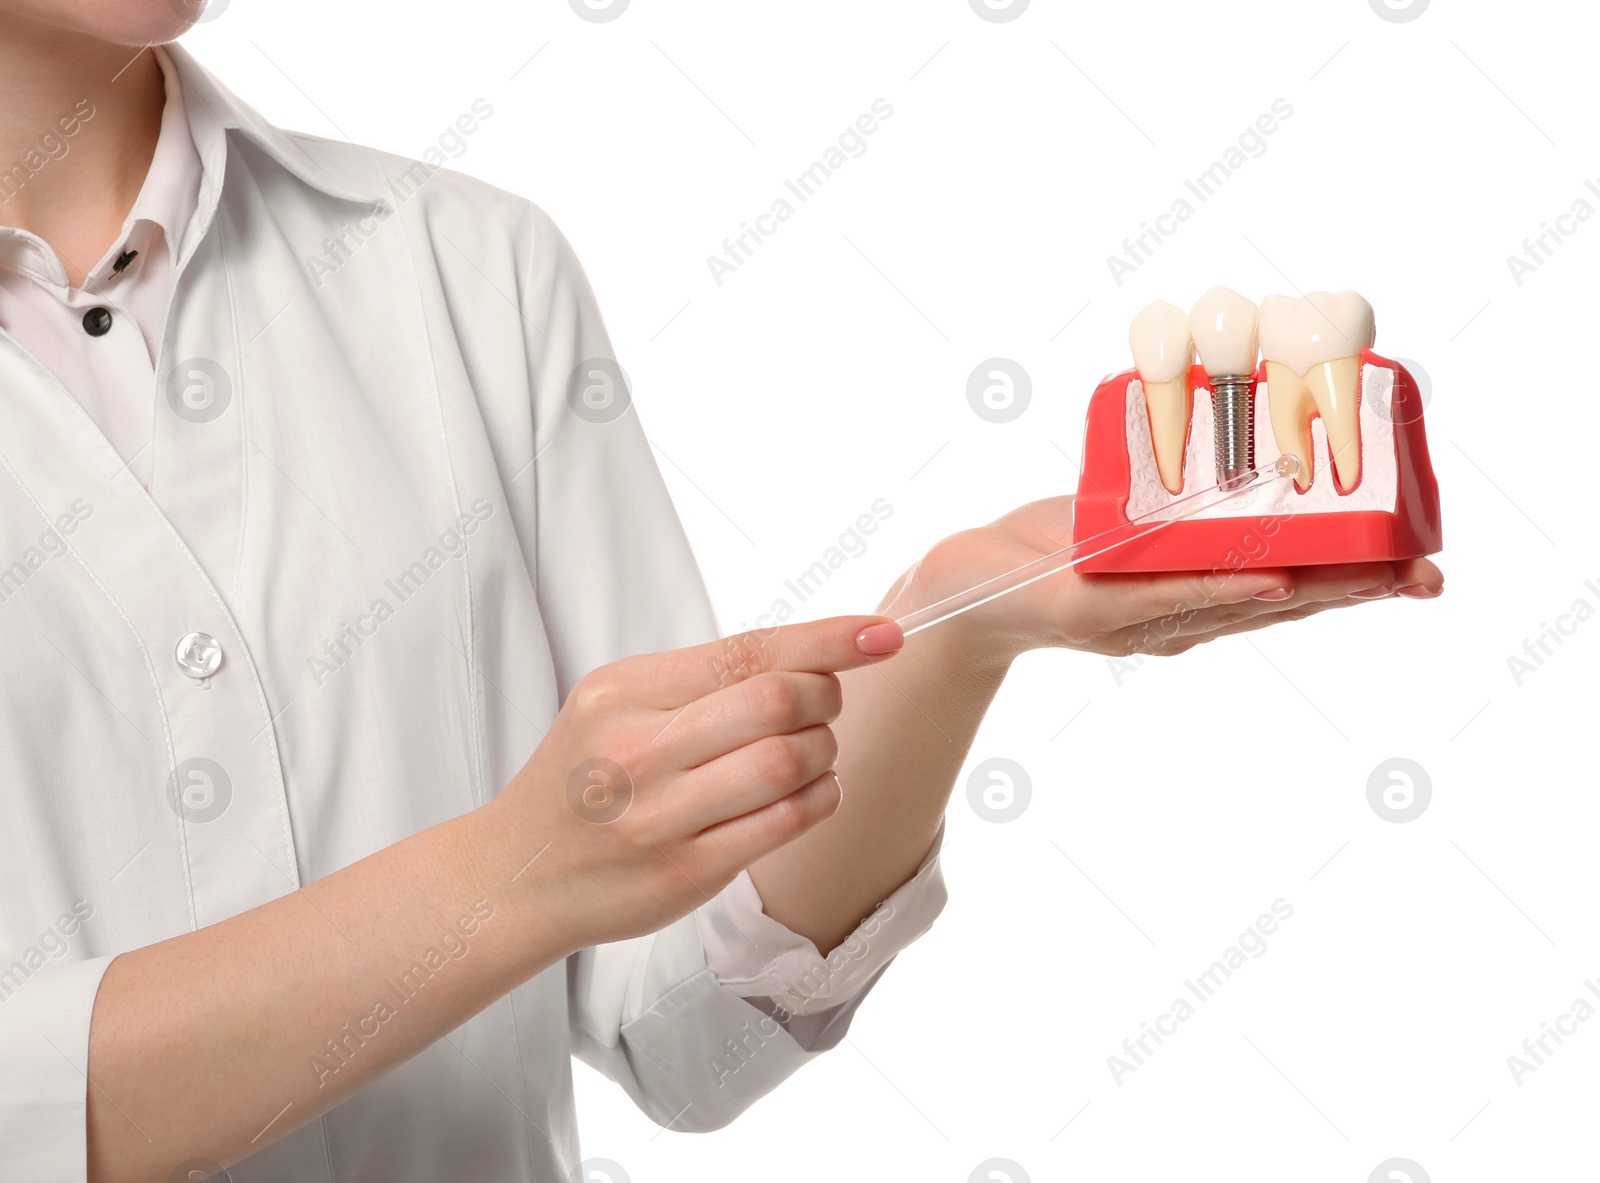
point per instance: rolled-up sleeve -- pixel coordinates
(693, 1044)
(756, 957)
(44, 1046)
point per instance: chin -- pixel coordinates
(120, 22)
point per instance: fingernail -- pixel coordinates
(1372, 593)
(1273, 593)
(1417, 592)
(878, 639)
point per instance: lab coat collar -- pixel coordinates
(214, 111)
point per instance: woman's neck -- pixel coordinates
(74, 190)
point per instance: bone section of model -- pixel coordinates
(1163, 351)
(1379, 481)
(1312, 348)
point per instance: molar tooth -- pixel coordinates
(1313, 350)
(1163, 351)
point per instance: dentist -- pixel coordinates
(367, 746)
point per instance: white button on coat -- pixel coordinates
(199, 655)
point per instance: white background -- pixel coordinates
(1168, 810)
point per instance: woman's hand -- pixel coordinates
(666, 774)
(1119, 614)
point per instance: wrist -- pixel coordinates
(975, 644)
(962, 652)
(494, 856)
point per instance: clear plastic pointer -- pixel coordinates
(1283, 468)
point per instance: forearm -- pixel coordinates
(906, 728)
(217, 1042)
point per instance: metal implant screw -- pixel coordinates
(1235, 437)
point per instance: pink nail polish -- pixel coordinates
(1273, 593)
(1371, 593)
(1416, 591)
(878, 639)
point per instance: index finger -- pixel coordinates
(824, 646)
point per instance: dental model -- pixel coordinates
(1160, 434)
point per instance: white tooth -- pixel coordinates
(1289, 401)
(1313, 351)
(1163, 351)
(1224, 327)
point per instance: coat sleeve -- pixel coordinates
(615, 577)
(44, 1045)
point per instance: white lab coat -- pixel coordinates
(369, 487)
